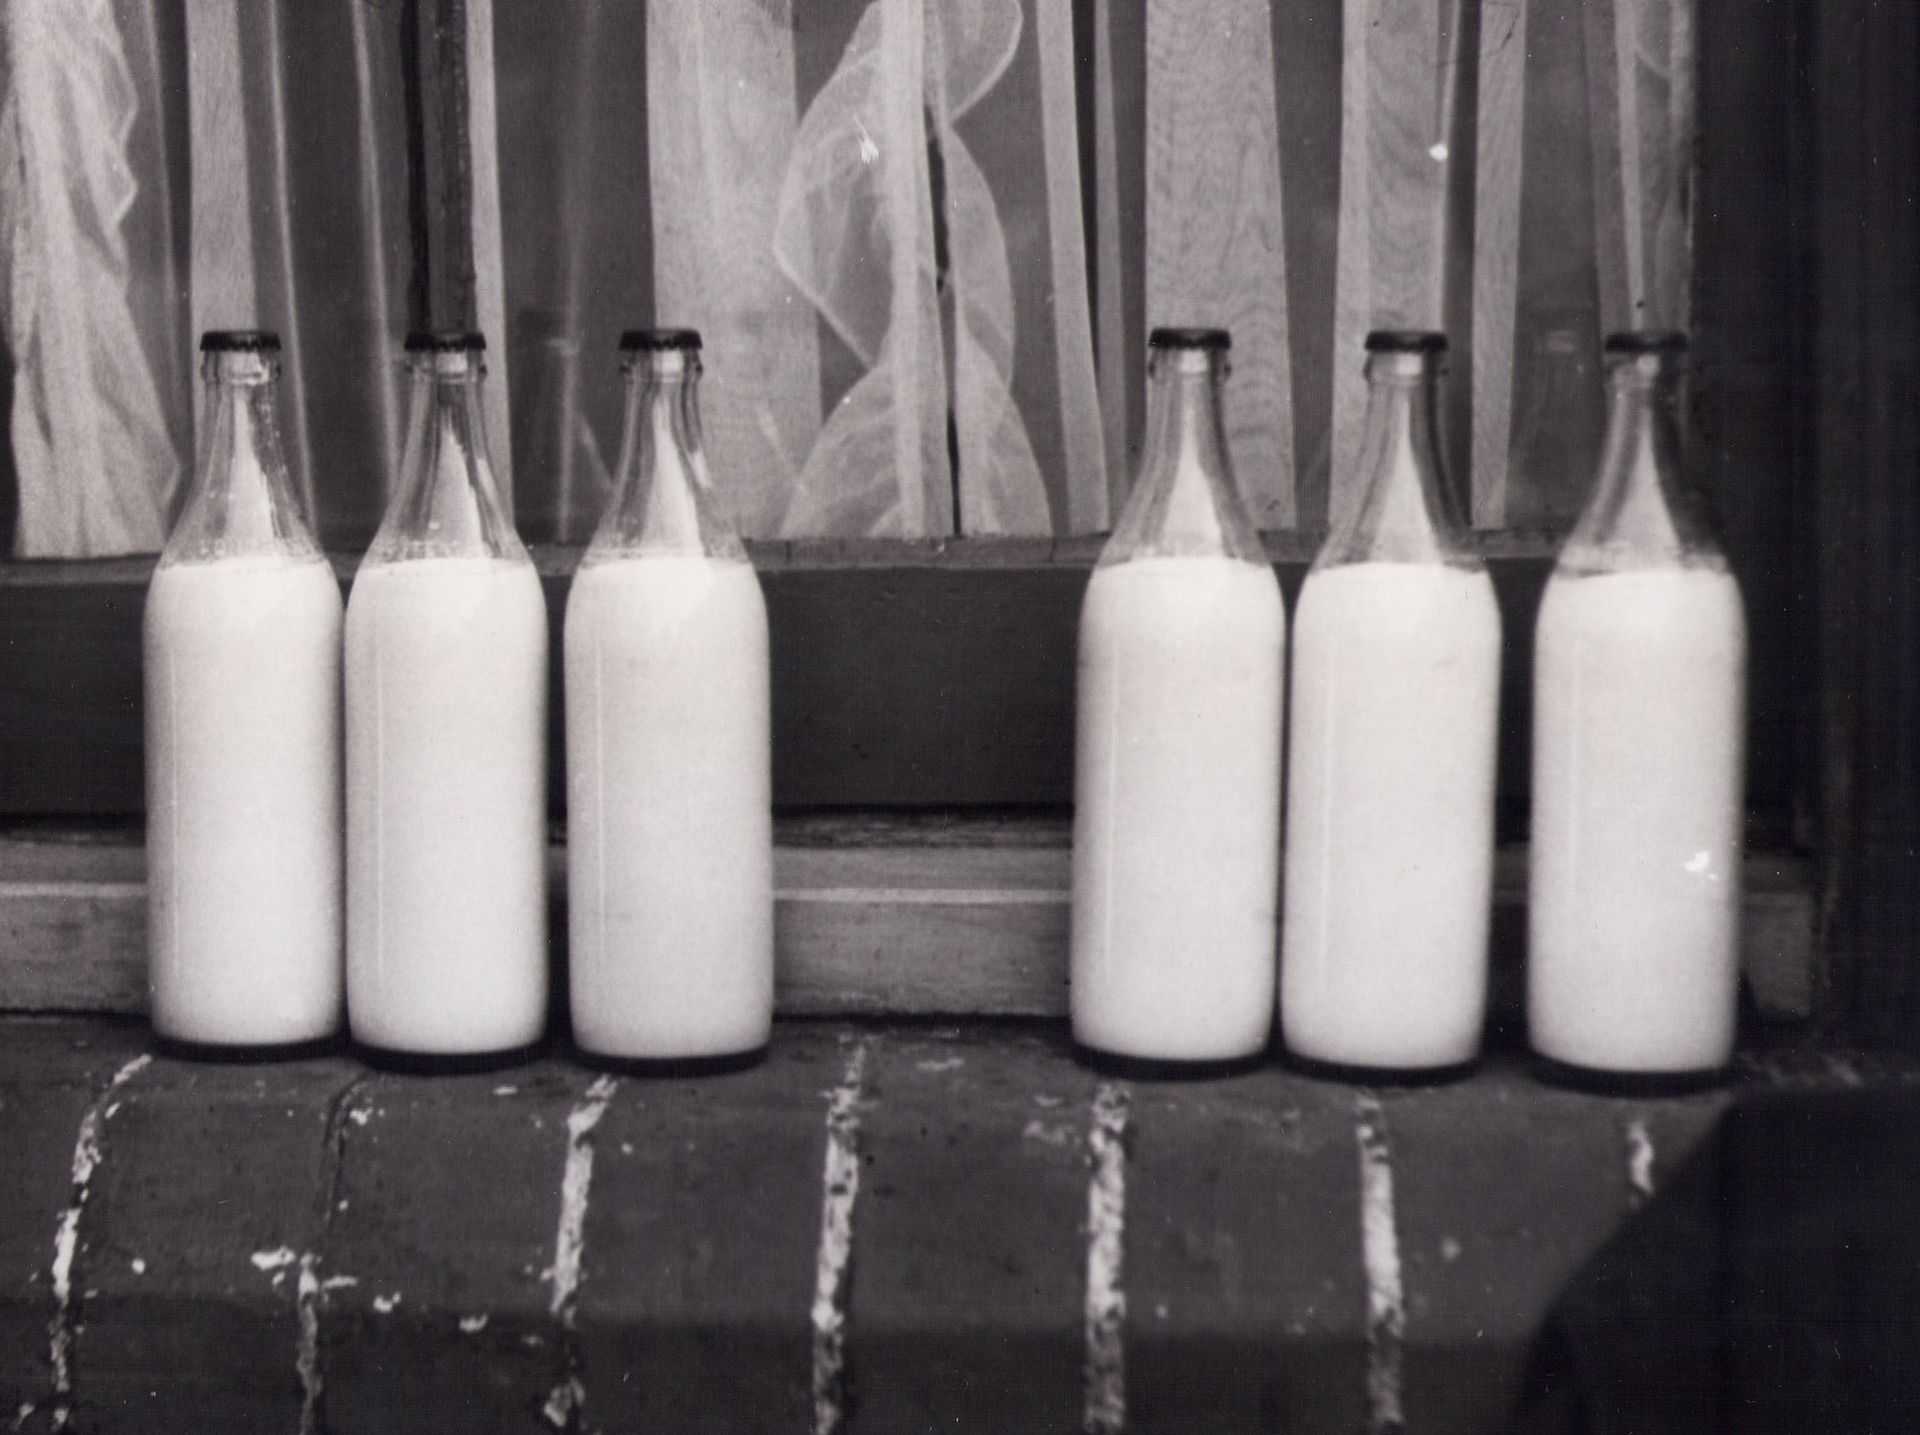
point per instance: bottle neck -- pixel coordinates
(1184, 502)
(241, 501)
(447, 503)
(1406, 512)
(663, 501)
(1642, 513)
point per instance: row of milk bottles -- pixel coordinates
(1639, 701)
(445, 744)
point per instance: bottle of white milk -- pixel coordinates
(1390, 771)
(669, 827)
(446, 681)
(242, 659)
(1638, 748)
(1177, 761)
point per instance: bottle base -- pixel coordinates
(446, 1063)
(659, 1067)
(248, 1053)
(1125, 1067)
(1604, 1081)
(1353, 1074)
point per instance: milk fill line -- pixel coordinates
(1105, 1410)
(569, 1394)
(64, 1329)
(1380, 1256)
(840, 1183)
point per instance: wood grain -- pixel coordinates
(1112, 336)
(483, 195)
(1498, 180)
(1083, 455)
(1399, 76)
(872, 920)
(1216, 241)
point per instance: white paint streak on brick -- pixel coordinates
(306, 1358)
(1380, 1256)
(65, 1325)
(840, 1185)
(569, 1241)
(1105, 1410)
(1639, 1165)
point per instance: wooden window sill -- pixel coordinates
(875, 915)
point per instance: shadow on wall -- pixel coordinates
(1773, 1285)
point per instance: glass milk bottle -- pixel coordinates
(1177, 770)
(242, 650)
(669, 826)
(1396, 681)
(1638, 751)
(446, 744)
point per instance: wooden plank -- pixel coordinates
(1216, 239)
(876, 918)
(489, 276)
(1399, 75)
(1113, 337)
(1498, 178)
(721, 115)
(959, 692)
(1861, 205)
(1082, 441)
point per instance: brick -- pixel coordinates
(700, 1241)
(207, 1197)
(969, 1241)
(51, 1073)
(447, 1208)
(1247, 1306)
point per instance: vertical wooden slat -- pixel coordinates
(1083, 441)
(266, 53)
(489, 280)
(1216, 243)
(1399, 74)
(1498, 178)
(1641, 86)
(1862, 205)
(1110, 327)
(721, 112)
(377, 227)
(224, 293)
(902, 60)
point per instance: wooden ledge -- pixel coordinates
(875, 915)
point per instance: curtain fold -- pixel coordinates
(907, 230)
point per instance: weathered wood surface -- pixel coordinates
(871, 918)
(1216, 235)
(1856, 206)
(312, 1245)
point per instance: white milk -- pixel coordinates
(1177, 806)
(446, 805)
(1396, 688)
(243, 800)
(1634, 906)
(669, 827)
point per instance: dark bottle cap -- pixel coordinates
(1646, 341)
(446, 341)
(1406, 341)
(1217, 340)
(239, 341)
(657, 340)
